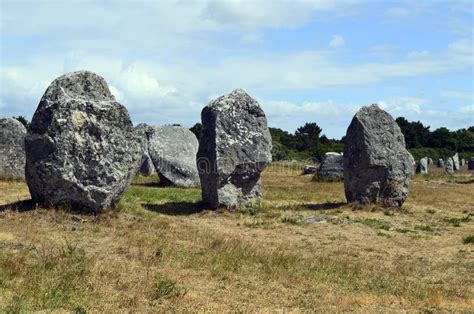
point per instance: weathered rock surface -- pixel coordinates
(422, 167)
(12, 149)
(234, 148)
(430, 161)
(80, 147)
(332, 167)
(376, 162)
(142, 134)
(309, 169)
(413, 163)
(470, 164)
(462, 162)
(440, 163)
(456, 162)
(449, 165)
(173, 150)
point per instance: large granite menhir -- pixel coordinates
(80, 148)
(449, 165)
(440, 163)
(331, 167)
(456, 162)
(12, 149)
(377, 165)
(470, 164)
(173, 150)
(234, 148)
(423, 166)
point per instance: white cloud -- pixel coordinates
(403, 105)
(469, 110)
(458, 94)
(418, 54)
(261, 14)
(337, 41)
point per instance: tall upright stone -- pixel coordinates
(430, 161)
(470, 164)
(234, 148)
(80, 148)
(331, 167)
(377, 165)
(449, 165)
(456, 162)
(12, 149)
(422, 167)
(462, 162)
(173, 150)
(440, 163)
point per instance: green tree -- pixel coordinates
(442, 138)
(416, 134)
(23, 121)
(196, 129)
(308, 138)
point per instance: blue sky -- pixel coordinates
(304, 61)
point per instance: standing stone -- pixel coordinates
(234, 148)
(376, 162)
(12, 149)
(413, 163)
(449, 165)
(332, 167)
(456, 162)
(143, 133)
(430, 161)
(422, 167)
(173, 150)
(440, 163)
(80, 147)
(470, 164)
(463, 162)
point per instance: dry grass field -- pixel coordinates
(302, 250)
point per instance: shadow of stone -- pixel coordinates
(324, 206)
(176, 208)
(151, 184)
(466, 182)
(20, 206)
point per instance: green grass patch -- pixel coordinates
(374, 223)
(45, 278)
(249, 211)
(456, 222)
(424, 227)
(291, 220)
(165, 288)
(468, 239)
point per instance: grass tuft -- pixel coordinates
(468, 239)
(166, 288)
(374, 223)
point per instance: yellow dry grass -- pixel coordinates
(161, 251)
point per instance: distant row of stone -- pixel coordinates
(451, 164)
(331, 167)
(81, 150)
